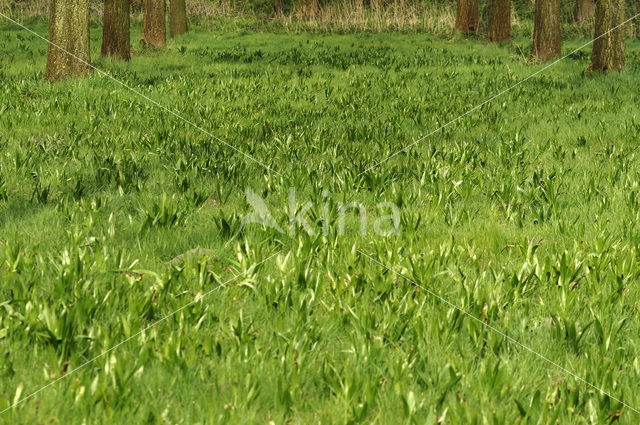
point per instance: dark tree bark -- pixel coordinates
(68, 30)
(499, 25)
(467, 17)
(547, 33)
(116, 38)
(178, 17)
(583, 10)
(154, 27)
(609, 49)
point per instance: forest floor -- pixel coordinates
(524, 213)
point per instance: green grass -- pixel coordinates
(525, 214)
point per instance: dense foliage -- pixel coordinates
(525, 213)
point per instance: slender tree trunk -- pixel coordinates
(547, 33)
(116, 38)
(154, 27)
(278, 6)
(467, 18)
(68, 30)
(499, 25)
(609, 49)
(583, 10)
(178, 17)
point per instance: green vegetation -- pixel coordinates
(525, 213)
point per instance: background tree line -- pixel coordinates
(491, 19)
(406, 12)
(430, 16)
(609, 45)
(69, 51)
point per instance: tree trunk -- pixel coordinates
(278, 6)
(499, 25)
(583, 10)
(178, 17)
(154, 27)
(547, 33)
(609, 49)
(116, 39)
(69, 53)
(467, 18)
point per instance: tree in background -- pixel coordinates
(278, 6)
(499, 25)
(68, 30)
(116, 38)
(467, 17)
(154, 27)
(547, 32)
(583, 10)
(609, 47)
(178, 17)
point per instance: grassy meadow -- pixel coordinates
(525, 213)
